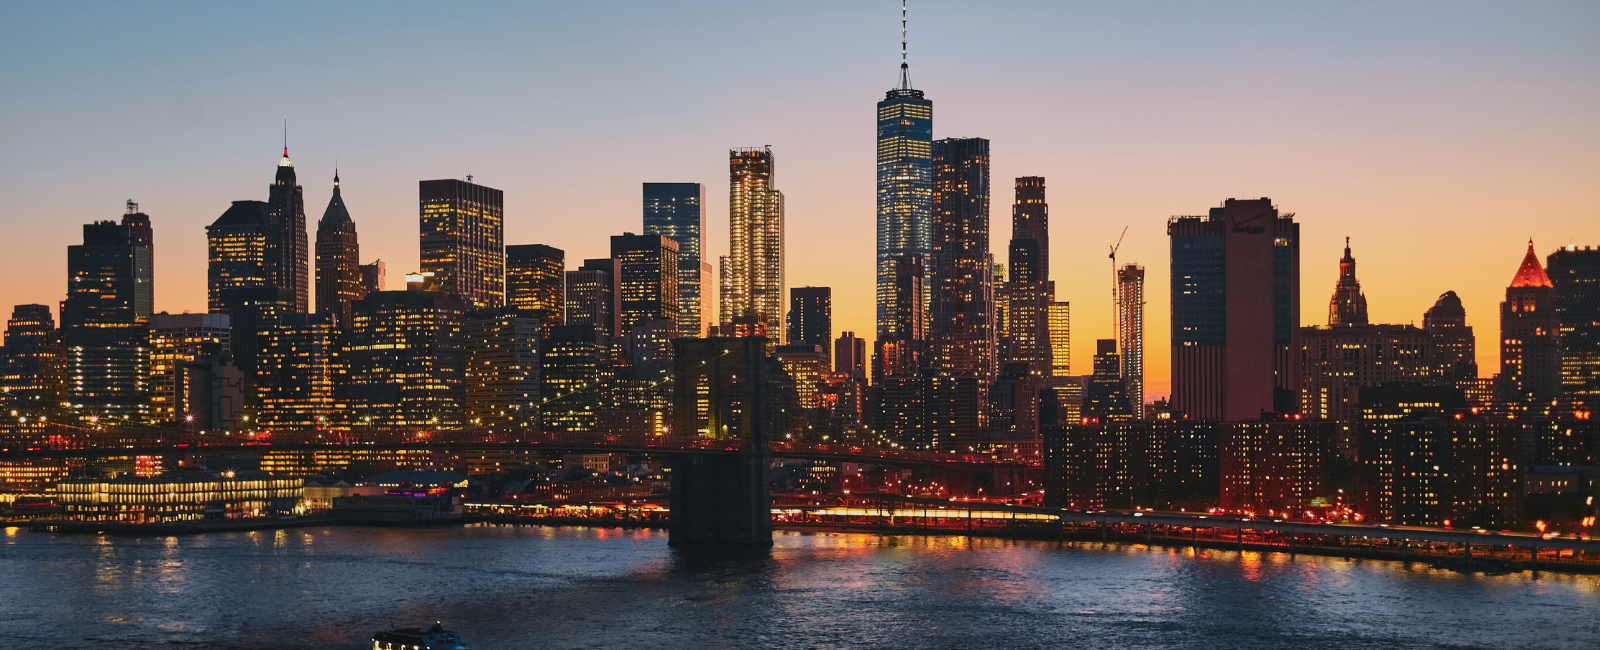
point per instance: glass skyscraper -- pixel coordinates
(677, 211)
(463, 240)
(905, 189)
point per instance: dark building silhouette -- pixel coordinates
(338, 260)
(1106, 399)
(1349, 305)
(1530, 346)
(592, 299)
(1453, 347)
(104, 324)
(32, 361)
(1029, 293)
(373, 277)
(677, 211)
(239, 249)
(647, 279)
(142, 234)
(1235, 311)
(287, 247)
(850, 356)
(406, 359)
(1336, 363)
(961, 331)
(905, 198)
(463, 240)
(811, 316)
(1575, 273)
(535, 275)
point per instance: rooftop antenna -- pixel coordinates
(905, 68)
(286, 136)
(132, 207)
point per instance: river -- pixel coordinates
(542, 587)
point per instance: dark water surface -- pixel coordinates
(534, 587)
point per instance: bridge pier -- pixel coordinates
(721, 499)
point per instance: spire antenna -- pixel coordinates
(905, 68)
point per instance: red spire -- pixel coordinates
(1531, 273)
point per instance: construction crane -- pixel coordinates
(1116, 311)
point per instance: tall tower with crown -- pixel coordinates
(1349, 306)
(287, 247)
(1530, 351)
(338, 260)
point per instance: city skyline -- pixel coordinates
(1402, 173)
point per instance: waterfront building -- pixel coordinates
(176, 342)
(534, 278)
(298, 374)
(104, 323)
(1023, 306)
(961, 331)
(1575, 273)
(753, 270)
(592, 298)
(406, 359)
(338, 260)
(850, 356)
(1349, 305)
(373, 277)
(1530, 347)
(1235, 311)
(570, 368)
(32, 357)
(463, 240)
(904, 197)
(502, 371)
(189, 497)
(287, 248)
(1450, 340)
(1273, 465)
(1426, 461)
(677, 211)
(647, 280)
(1159, 463)
(1060, 343)
(811, 316)
(1130, 334)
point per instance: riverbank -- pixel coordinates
(176, 528)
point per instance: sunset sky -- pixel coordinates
(1439, 136)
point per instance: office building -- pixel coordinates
(753, 270)
(904, 197)
(1060, 343)
(338, 260)
(373, 277)
(1451, 343)
(406, 359)
(1235, 311)
(32, 358)
(535, 274)
(502, 372)
(298, 374)
(901, 353)
(569, 378)
(1530, 346)
(811, 316)
(103, 324)
(288, 251)
(1130, 334)
(807, 365)
(1024, 318)
(592, 298)
(850, 356)
(647, 280)
(677, 211)
(961, 331)
(238, 251)
(176, 341)
(1575, 273)
(143, 235)
(463, 240)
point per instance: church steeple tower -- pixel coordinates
(1349, 305)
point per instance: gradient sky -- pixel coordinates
(1438, 136)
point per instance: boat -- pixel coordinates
(427, 637)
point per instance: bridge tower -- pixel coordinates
(721, 498)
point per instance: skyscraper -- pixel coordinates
(176, 341)
(104, 323)
(32, 359)
(1060, 343)
(287, 249)
(535, 274)
(502, 376)
(1029, 292)
(1106, 399)
(238, 253)
(902, 353)
(297, 371)
(850, 356)
(1530, 347)
(592, 298)
(1235, 311)
(463, 240)
(754, 267)
(1450, 339)
(338, 260)
(1576, 275)
(1348, 306)
(373, 277)
(677, 211)
(647, 279)
(406, 359)
(569, 374)
(1130, 334)
(811, 316)
(140, 232)
(961, 319)
(905, 189)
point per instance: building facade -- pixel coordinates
(961, 313)
(1453, 347)
(647, 280)
(1530, 336)
(905, 195)
(592, 298)
(1575, 274)
(463, 240)
(176, 342)
(753, 285)
(338, 260)
(1029, 293)
(406, 360)
(104, 322)
(502, 371)
(677, 211)
(1130, 334)
(811, 316)
(299, 374)
(535, 276)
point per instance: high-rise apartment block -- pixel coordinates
(338, 260)
(811, 316)
(1130, 334)
(1273, 465)
(463, 240)
(1575, 273)
(535, 275)
(753, 271)
(677, 211)
(1235, 311)
(1530, 346)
